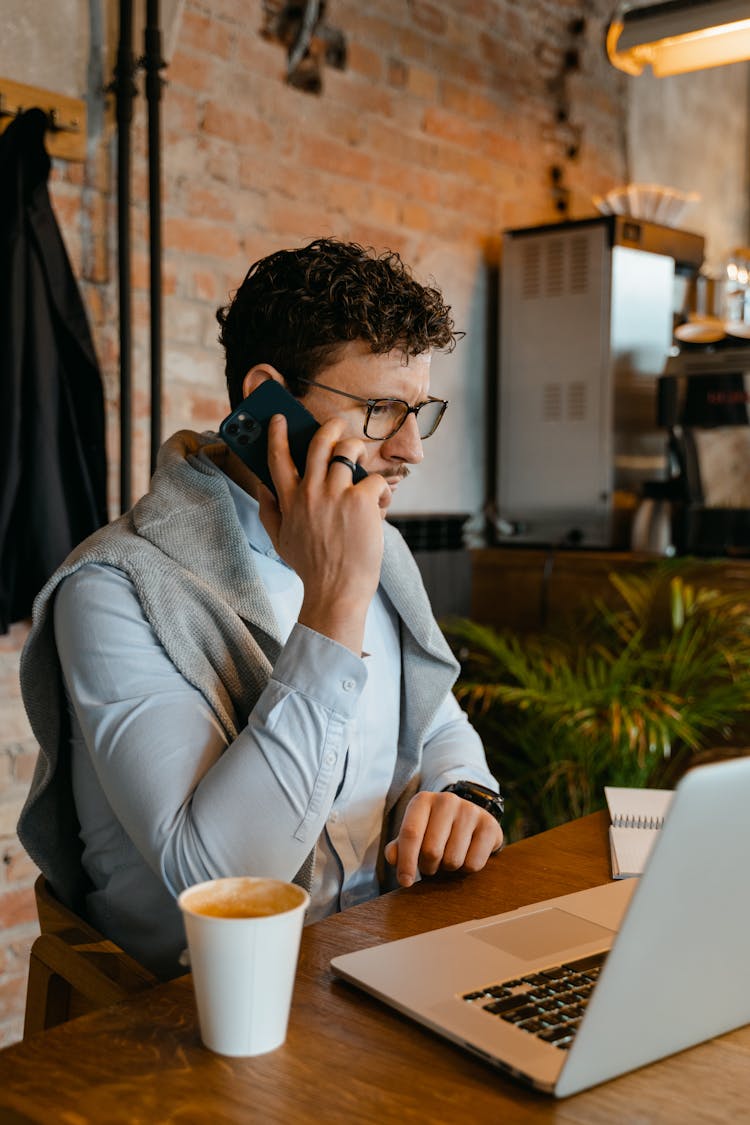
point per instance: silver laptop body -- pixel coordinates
(676, 974)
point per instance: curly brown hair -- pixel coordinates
(296, 308)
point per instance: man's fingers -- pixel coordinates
(410, 840)
(442, 832)
(327, 441)
(281, 466)
(485, 841)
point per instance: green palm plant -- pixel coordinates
(632, 694)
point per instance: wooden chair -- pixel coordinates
(72, 968)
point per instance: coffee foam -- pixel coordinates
(242, 898)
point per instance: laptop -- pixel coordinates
(575, 990)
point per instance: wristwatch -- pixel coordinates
(487, 799)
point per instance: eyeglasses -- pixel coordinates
(386, 416)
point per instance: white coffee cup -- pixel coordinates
(243, 936)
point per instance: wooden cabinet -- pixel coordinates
(528, 589)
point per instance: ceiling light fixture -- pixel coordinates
(679, 36)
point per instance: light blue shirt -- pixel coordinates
(164, 801)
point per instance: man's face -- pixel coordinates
(359, 372)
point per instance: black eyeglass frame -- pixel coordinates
(371, 403)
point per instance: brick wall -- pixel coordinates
(440, 132)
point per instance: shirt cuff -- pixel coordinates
(321, 669)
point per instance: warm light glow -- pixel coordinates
(677, 53)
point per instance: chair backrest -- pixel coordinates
(72, 968)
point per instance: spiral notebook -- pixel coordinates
(636, 815)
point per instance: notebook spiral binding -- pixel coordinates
(633, 820)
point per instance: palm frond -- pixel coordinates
(634, 692)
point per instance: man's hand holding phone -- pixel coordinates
(327, 528)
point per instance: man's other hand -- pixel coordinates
(442, 832)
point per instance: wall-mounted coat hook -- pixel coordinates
(67, 116)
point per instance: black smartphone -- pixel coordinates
(245, 430)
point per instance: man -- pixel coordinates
(256, 685)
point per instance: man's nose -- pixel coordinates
(406, 444)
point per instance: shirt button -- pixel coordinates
(330, 758)
(333, 818)
(348, 685)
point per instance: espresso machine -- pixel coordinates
(703, 406)
(587, 311)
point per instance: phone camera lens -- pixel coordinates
(233, 428)
(243, 439)
(249, 424)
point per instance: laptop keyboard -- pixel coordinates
(549, 1003)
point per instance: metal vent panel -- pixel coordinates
(552, 399)
(555, 272)
(531, 271)
(579, 263)
(576, 401)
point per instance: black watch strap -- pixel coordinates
(480, 795)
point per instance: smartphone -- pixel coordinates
(245, 430)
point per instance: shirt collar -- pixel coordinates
(248, 515)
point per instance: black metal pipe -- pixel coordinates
(153, 64)
(124, 89)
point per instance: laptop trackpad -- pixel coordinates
(544, 932)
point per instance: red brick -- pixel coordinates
(201, 33)
(190, 70)
(385, 209)
(17, 907)
(362, 27)
(262, 57)
(24, 763)
(74, 172)
(13, 722)
(468, 102)
(484, 11)
(206, 285)
(235, 126)
(302, 223)
(180, 113)
(192, 236)
(345, 124)
(396, 144)
(422, 83)
(18, 867)
(397, 73)
(12, 995)
(357, 95)
(347, 197)
(204, 202)
(454, 128)
(428, 16)
(15, 638)
(343, 160)
(370, 234)
(415, 216)
(405, 178)
(95, 304)
(410, 44)
(363, 60)
(222, 164)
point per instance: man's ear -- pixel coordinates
(259, 374)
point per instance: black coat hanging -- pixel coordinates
(52, 453)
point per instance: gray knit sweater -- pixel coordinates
(190, 564)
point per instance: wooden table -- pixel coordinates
(347, 1057)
